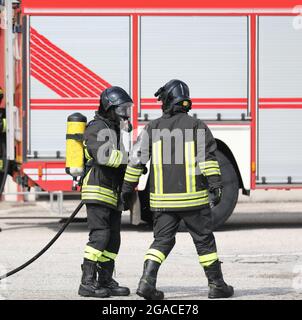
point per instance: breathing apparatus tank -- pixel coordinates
(76, 124)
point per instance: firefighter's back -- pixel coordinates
(175, 180)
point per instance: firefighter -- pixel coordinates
(104, 171)
(179, 189)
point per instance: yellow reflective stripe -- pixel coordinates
(214, 168)
(207, 259)
(90, 256)
(95, 196)
(113, 197)
(102, 198)
(115, 159)
(157, 167)
(178, 204)
(179, 196)
(92, 188)
(134, 171)
(92, 253)
(209, 164)
(100, 188)
(193, 168)
(190, 166)
(188, 183)
(87, 155)
(118, 159)
(149, 257)
(96, 252)
(103, 259)
(161, 186)
(206, 166)
(110, 255)
(1, 165)
(211, 172)
(130, 178)
(112, 158)
(156, 253)
(4, 125)
(86, 178)
(207, 264)
(209, 168)
(110, 195)
(132, 174)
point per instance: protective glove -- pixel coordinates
(126, 200)
(126, 195)
(215, 196)
(145, 170)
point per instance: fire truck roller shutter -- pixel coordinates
(280, 101)
(69, 68)
(210, 54)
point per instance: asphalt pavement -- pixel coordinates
(260, 246)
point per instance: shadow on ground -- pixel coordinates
(266, 220)
(239, 221)
(175, 292)
(79, 225)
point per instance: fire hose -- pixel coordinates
(49, 244)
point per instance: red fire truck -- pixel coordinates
(241, 60)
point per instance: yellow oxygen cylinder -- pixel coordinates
(76, 124)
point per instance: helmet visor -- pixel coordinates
(124, 110)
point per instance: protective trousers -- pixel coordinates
(199, 225)
(104, 237)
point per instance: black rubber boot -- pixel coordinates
(217, 287)
(105, 280)
(147, 285)
(89, 286)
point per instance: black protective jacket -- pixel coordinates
(105, 156)
(180, 173)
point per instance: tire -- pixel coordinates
(230, 191)
(229, 198)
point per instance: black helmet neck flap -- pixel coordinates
(175, 96)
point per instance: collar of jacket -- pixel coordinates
(175, 110)
(109, 123)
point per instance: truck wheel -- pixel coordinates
(230, 191)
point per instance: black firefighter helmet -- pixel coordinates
(174, 93)
(116, 98)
